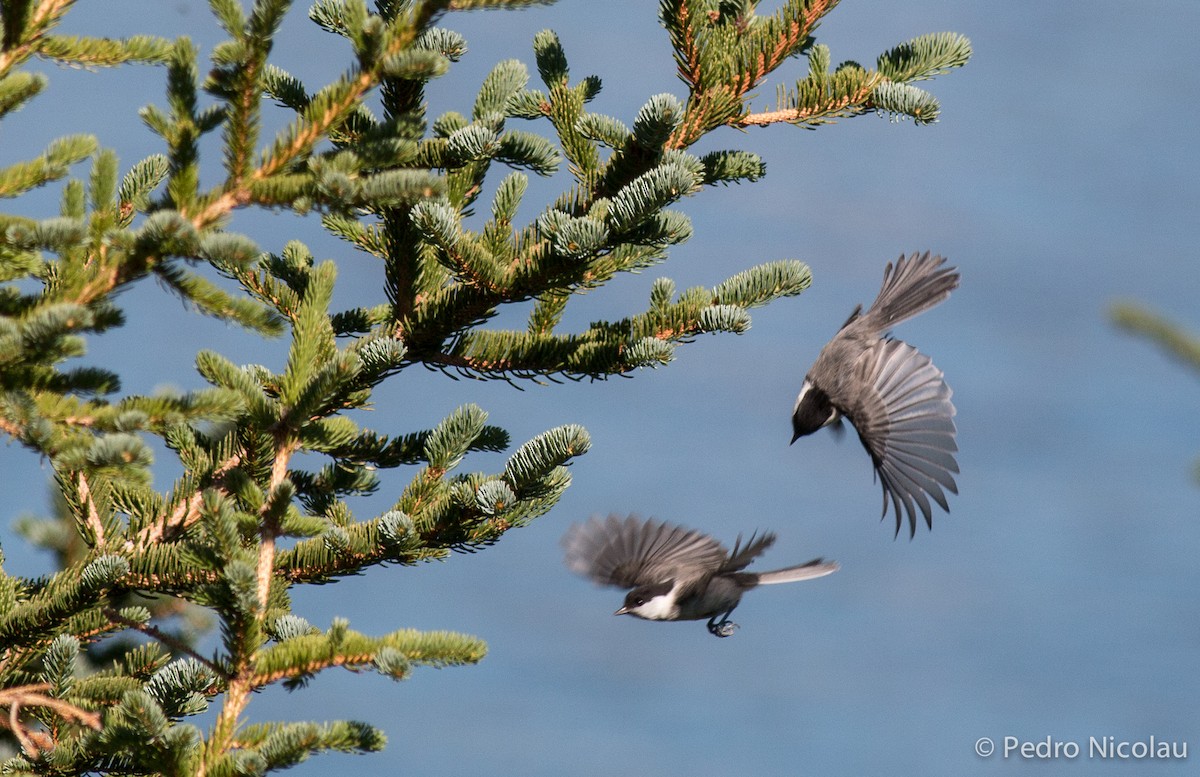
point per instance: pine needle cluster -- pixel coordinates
(93, 679)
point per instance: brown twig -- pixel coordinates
(178, 645)
(92, 518)
(185, 513)
(36, 742)
(241, 683)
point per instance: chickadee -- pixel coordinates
(675, 573)
(892, 394)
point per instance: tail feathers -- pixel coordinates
(915, 284)
(815, 568)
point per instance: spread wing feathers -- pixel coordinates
(906, 423)
(742, 555)
(914, 284)
(629, 552)
(815, 568)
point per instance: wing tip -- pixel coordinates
(902, 504)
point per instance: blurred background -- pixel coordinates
(1057, 598)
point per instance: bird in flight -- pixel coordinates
(891, 393)
(675, 573)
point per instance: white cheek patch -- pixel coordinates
(803, 390)
(657, 609)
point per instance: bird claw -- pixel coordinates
(723, 629)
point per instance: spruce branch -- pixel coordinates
(725, 51)
(295, 659)
(924, 57)
(16, 89)
(620, 347)
(25, 25)
(280, 745)
(104, 52)
(52, 165)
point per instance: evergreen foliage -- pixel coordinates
(99, 672)
(1171, 337)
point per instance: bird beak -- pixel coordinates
(622, 611)
(795, 436)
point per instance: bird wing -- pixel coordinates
(742, 555)
(629, 552)
(906, 422)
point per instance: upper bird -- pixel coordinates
(893, 395)
(675, 573)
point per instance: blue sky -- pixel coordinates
(1057, 599)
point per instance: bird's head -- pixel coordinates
(812, 411)
(653, 602)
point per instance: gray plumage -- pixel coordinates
(895, 397)
(674, 573)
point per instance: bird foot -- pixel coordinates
(724, 628)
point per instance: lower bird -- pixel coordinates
(675, 573)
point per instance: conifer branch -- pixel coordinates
(34, 743)
(157, 569)
(104, 52)
(305, 656)
(320, 116)
(724, 52)
(44, 16)
(818, 111)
